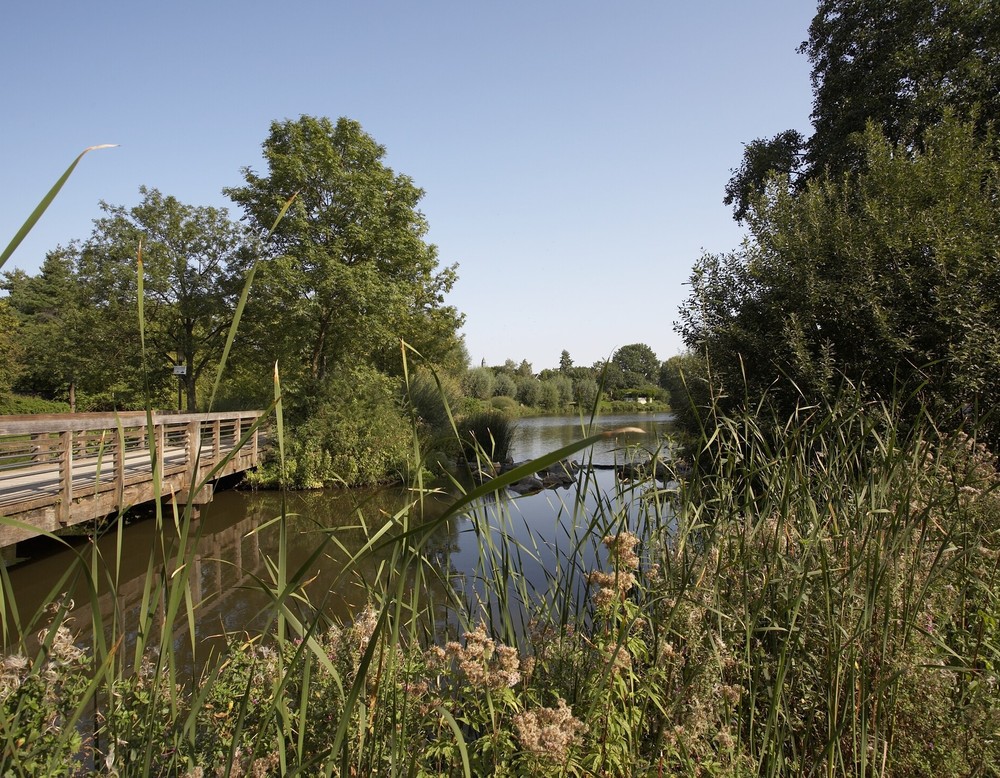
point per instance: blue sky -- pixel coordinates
(573, 154)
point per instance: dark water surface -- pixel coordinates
(232, 558)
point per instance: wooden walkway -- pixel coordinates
(58, 470)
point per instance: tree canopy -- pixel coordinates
(871, 256)
(11, 349)
(194, 259)
(889, 278)
(638, 364)
(52, 319)
(349, 272)
(81, 313)
(902, 64)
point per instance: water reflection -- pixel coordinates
(238, 541)
(553, 537)
(538, 436)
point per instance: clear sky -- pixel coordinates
(573, 154)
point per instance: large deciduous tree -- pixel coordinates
(193, 261)
(639, 365)
(350, 272)
(901, 64)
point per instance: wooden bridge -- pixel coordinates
(58, 470)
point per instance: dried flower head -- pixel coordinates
(485, 663)
(549, 733)
(621, 547)
(62, 650)
(363, 628)
(13, 670)
(611, 587)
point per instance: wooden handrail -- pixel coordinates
(60, 469)
(63, 422)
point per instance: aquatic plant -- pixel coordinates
(487, 435)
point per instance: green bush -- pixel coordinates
(21, 404)
(357, 434)
(504, 404)
(529, 391)
(479, 383)
(504, 385)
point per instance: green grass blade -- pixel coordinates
(45, 203)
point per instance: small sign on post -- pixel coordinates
(180, 370)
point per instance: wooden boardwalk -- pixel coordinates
(58, 470)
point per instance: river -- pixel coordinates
(232, 557)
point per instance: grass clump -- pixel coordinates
(488, 435)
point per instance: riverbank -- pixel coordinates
(813, 597)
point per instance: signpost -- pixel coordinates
(180, 371)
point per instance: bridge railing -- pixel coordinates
(58, 462)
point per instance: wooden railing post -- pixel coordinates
(65, 475)
(161, 440)
(216, 441)
(193, 449)
(119, 448)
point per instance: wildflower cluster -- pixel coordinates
(549, 733)
(613, 587)
(485, 663)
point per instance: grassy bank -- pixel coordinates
(819, 596)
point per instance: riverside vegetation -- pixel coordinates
(819, 595)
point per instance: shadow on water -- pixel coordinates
(230, 572)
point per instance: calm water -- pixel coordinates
(232, 557)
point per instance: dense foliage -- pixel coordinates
(11, 348)
(902, 64)
(872, 252)
(331, 294)
(889, 276)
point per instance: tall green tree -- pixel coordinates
(48, 306)
(350, 273)
(901, 64)
(193, 258)
(638, 364)
(11, 349)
